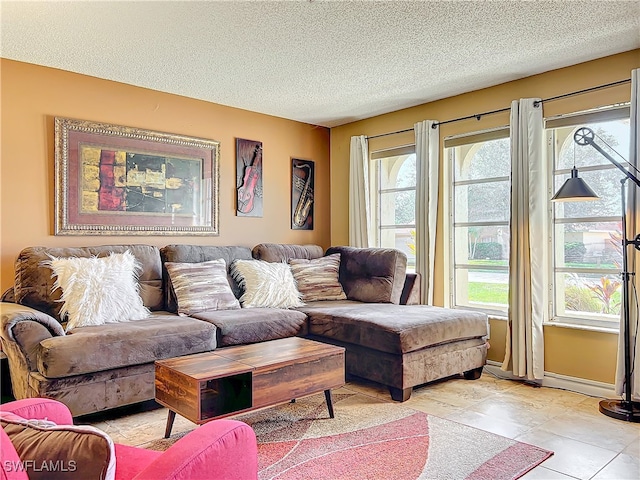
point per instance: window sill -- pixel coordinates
(492, 314)
(590, 328)
(575, 326)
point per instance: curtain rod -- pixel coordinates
(390, 133)
(586, 90)
(477, 116)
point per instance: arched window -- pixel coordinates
(479, 227)
(393, 199)
(587, 249)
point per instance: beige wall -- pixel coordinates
(570, 352)
(31, 96)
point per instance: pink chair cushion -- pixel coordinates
(224, 449)
(10, 460)
(71, 451)
(219, 449)
(130, 461)
(41, 408)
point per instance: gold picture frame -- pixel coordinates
(116, 180)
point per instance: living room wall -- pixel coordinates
(572, 352)
(31, 96)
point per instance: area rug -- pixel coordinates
(372, 439)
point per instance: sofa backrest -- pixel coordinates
(372, 275)
(281, 252)
(197, 254)
(34, 282)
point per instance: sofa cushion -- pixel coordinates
(93, 349)
(97, 290)
(34, 284)
(253, 325)
(265, 284)
(201, 286)
(196, 254)
(62, 452)
(393, 328)
(317, 279)
(374, 275)
(282, 252)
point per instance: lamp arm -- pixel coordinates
(627, 173)
(586, 136)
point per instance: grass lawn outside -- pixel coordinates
(489, 292)
(498, 293)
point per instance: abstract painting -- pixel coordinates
(120, 180)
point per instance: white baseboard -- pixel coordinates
(591, 388)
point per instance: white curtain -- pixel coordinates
(528, 282)
(427, 178)
(633, 224)
(360, 231)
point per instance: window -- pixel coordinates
(479, 209)
(587, 250)
(586, 253)
(393, 192)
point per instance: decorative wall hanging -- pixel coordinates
(302, 178)
(115, 180)
(249, 178)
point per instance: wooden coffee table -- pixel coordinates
(230, 380)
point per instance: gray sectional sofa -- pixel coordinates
(95, 368)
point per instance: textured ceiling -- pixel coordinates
(325, 63)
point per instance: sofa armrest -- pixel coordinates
(411, 290)
(372, 275)
(21, 331)
(9, 295)
(12, 314)
(40, 409)
(218, 449)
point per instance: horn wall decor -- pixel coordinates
(302, 178)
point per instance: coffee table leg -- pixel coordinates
(327, 396)
(170, 418)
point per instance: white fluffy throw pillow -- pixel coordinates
(96, 290)
(266, 284)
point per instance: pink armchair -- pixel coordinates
(221, 449)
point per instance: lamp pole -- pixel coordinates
(626, 409)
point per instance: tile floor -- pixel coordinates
(587, 444)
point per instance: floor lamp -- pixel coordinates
(576, 189)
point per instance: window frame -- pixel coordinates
(450, 145)
(375, 160)
(598, 115)
(612, 113)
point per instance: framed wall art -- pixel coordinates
(115, 180)
(302, 178)
(249, 178)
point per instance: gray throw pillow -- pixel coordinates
(201, 286)
(317, 279)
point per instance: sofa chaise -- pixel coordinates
(95, 368)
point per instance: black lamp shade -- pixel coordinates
(574, 189)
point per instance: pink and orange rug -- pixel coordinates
(371, 439)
